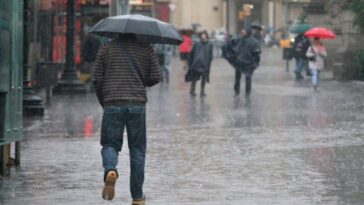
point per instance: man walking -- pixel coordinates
(248, 59)
(122, 70)
(300, 47)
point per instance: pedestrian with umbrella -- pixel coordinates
(299, 48)
(124, 68)
(316, 53)
(300, 28)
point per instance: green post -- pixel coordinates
(11, 75)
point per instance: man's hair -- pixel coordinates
(127, 37)
(248, 30)
(203, 32)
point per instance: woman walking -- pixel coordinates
(199, 64)
(185, 49)
(316, 55)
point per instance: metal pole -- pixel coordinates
(227, 16)
(285, 13)
(17, 153)
(112, 8)
(154, 9)
(274, 16)
(118, 7)
(32, 104)
(2, 160)
(124, 6)
(246, 18)
(70, 38)
(69, 82)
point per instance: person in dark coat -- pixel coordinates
(248, 58)
(300, 47)
(89, 52)
(199, 64)
(257, 33)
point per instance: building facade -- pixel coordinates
(204, 14)
(231, 15)
(343, 51)
(273, 15)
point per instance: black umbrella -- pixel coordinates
(147, 29)
(257, 27)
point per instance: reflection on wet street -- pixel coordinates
(286, 144)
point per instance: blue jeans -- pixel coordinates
(114, 120)
(315, 77)
(300, 64)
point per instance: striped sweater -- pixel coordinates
(116, 80)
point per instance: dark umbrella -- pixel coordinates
(147, 29)
(257, 27)
(300, 28)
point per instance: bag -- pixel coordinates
(287, 54)
(189, 76)
(299, 47)
(312, 59)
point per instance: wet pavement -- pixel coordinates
(286, 144)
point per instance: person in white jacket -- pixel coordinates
(316, 55)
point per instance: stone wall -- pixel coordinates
(343, 50)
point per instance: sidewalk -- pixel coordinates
(286, 144)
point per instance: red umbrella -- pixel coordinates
(320, 32)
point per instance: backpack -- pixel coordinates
(301, 46)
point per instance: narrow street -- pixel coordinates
(286, 144)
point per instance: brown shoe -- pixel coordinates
(108, 192)
(138, 201)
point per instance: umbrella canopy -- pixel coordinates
(147, 29)
(257, 27)
(320, 32)
(300, 28)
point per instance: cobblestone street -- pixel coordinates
(286, 144)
